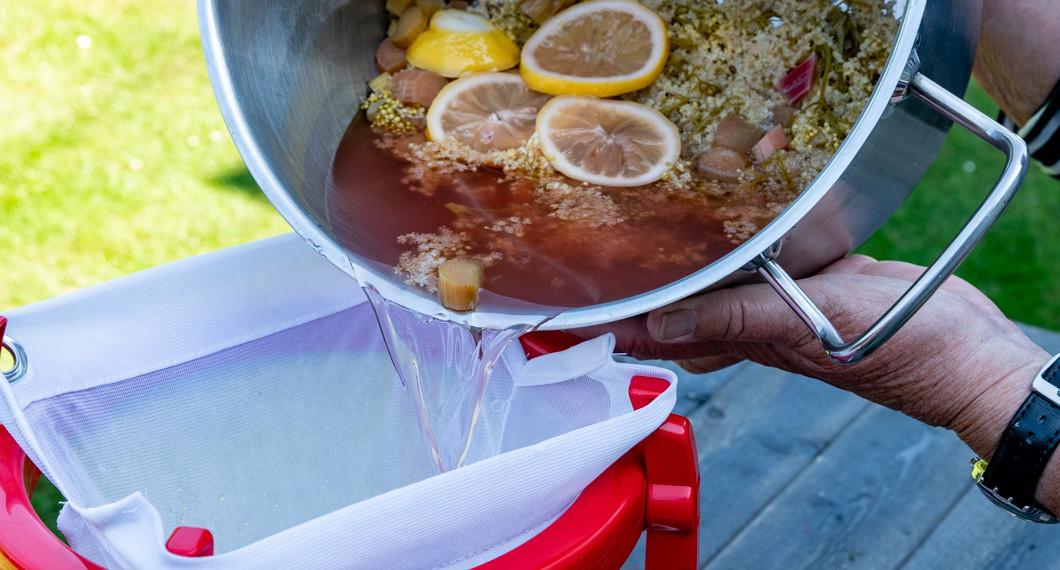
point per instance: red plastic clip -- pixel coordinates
(539, 343)
(191, 542)
(644, 389)
(672, 469)
(3, 325)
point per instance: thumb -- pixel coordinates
(752, 313)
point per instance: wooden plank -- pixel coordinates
(755, 433)
(1049, 340)
(867, 501)
(976, 534)
(778, 492)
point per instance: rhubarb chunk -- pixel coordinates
(799, 81)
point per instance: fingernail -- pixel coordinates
(677, 324)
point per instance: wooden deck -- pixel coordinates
(797, 474)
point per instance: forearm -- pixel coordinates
(1016, 62)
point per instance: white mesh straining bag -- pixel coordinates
(248, 391)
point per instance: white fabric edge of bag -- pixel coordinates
(270, 263)
(68, 339)
(128, 533)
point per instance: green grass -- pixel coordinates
(114, 158)
(1015, 263)
(113, 154)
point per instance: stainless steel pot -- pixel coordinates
(289, 77)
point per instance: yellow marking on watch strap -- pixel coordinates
(978, 467)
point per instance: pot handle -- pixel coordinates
(1004, 189)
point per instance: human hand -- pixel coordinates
(958, 363)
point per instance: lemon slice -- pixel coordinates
(458, 41)
(600, 47)
(485, 111)
(607, 142)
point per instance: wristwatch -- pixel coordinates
(1011, 477)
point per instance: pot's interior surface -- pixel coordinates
(290, 79)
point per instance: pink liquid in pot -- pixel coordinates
(537, 258)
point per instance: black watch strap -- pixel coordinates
(1042, 133)
(1012, 475)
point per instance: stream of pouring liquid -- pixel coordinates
(445, 368)
(548, 265)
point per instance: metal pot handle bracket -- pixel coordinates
(1004, 189)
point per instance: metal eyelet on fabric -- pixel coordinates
(15, 352)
